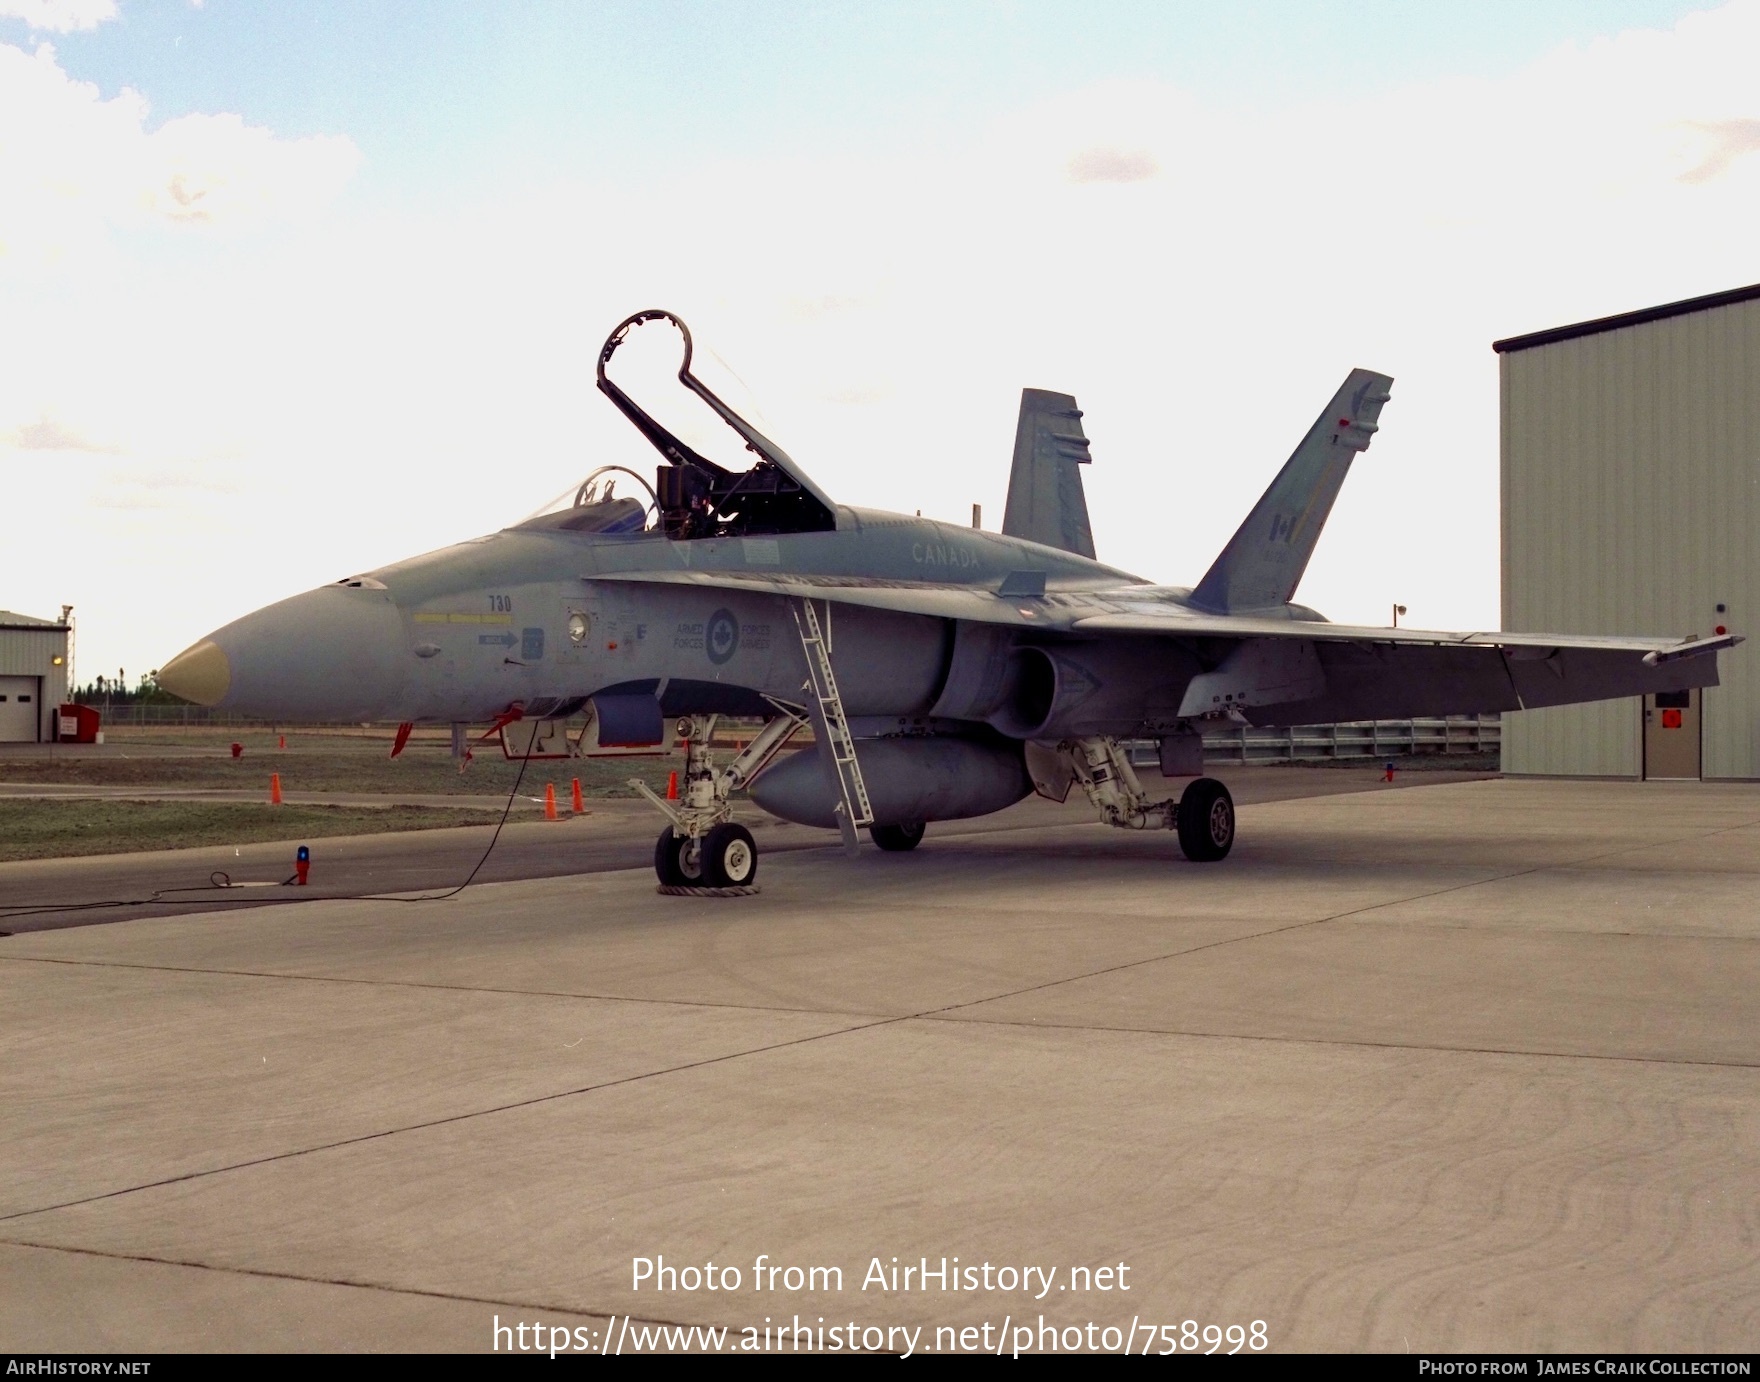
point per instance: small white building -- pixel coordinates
(33, 676)
(1631, 504)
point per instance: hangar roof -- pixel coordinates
(1614, 323)
(9, 620)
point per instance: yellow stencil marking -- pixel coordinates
(464, 618)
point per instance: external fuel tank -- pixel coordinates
(909, 780)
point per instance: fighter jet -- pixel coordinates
(946, 672)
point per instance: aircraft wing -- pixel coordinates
(1299, 671)
(1288, 671)
(1177, 623)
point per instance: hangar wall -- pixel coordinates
(33, 664)
(1631, 504)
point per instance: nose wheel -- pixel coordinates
(678, 860)
(730, 857)
(726, 857)
(700, 847)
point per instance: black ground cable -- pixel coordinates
(158, 898)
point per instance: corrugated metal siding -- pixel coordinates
(1631, 504)
(28, 653)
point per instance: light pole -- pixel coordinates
(1397, 611)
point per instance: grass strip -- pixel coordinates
(433, 773)
(63, 829)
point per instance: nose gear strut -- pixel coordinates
(702, 849)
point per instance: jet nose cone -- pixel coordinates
(200, 674)
(330, 654)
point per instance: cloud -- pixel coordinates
(49, 435)
(215, 168)
(1730, 139)
(383, 385)
(75, 168)
(1112, 165)
(59, 16)
(822, 305)
(176, 475)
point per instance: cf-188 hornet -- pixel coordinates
(946, 672)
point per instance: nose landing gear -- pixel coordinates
(726, 857)
(701, 848)
(730, 858)
(678, 860)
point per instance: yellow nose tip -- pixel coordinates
(200, 674)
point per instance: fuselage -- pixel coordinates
(533, 616)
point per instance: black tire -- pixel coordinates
(678, 861)
(666, 867)
(897, 839)
(1206, 821)
(729, 857)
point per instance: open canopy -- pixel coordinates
(696, 497)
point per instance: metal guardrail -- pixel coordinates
(1365, 739)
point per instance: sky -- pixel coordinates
(289, 292)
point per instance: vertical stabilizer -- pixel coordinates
(1263, 562)
(1045, 499)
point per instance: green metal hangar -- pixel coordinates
(1631, 504)
(33, 677)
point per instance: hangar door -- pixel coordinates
(1671, 735)
(18, 710)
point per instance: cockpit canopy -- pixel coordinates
(697, 498)
(594, 506)
(692, 496)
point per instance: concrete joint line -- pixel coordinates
(1338, 1042)
(1321, 921)
(798, 1041)
(426, 987)
(584, 1312)
(428, 1123)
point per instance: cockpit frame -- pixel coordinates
(696, 497)
(588, 493)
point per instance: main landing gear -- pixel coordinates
(701, 846)
(1203, 817)
(897, 839)
(1205, 821)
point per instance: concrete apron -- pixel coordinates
(1466, 1067)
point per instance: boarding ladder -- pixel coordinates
(832, 726)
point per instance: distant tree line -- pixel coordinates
(117, 691)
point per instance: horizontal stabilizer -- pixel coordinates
(1263, 563)
(1045, 499)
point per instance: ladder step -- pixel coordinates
(856, 808)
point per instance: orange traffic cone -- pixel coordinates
(672, 786)
(274, 789)
(575, 787)
(281, 741)
(550, 801)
